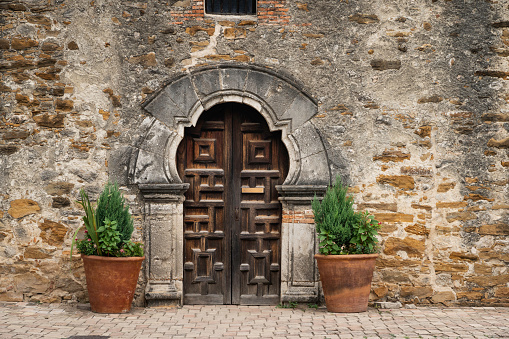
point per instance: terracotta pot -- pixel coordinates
(111, 282)
(346, 281)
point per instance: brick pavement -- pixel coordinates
(26, 320)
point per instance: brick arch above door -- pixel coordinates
(282, 101)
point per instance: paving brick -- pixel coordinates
(19, 320)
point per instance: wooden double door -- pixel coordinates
(232, 216)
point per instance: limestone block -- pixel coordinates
(22, 207)
(31, 283)
(395, 276)
(150, 168)
(299, 111)
(207, 82)
(156, 139)
(182, 93)
(302, 250)
(164, 109)
(314, 167)
(258, 83)
(234, 78)
(419, 291)
(280, 96)
(11, 296)
(59, 188)
(52, 232)
(413, 247)
(443, 297)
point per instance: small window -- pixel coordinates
(231, 7)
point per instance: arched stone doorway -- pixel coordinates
(286, 108)
(232, 215)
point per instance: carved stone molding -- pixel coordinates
(286, 107)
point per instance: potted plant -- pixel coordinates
(111, 260)
(348, 245)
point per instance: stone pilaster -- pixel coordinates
(299, 275)
(163, 244)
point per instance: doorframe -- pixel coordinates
(151, 167)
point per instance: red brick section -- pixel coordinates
(272, 12)
(269, 12)
(298, 217)
(194, 12)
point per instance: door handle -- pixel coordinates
(237, 213)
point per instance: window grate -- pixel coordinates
(230, 6)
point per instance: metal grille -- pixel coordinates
(231, 6)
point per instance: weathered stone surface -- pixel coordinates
(235, 33)
(73, 46)
(64, 105)
(10, 296)
(392, 155)
(494, 74)
(146, 60)
(490, 280)
(403, 182)
(416, 171)
(446, 186)
(500, 117)
(42, 20)
(416, 291)
(394, 217)
(195, 29)
(23, 43)
(52, 232)
(393, 207)
(50, 46)
(502, 292)
(477, 197)
(59, 188)
(417, 229)
(395, 277)
(8, 149)
(380, 291)
(463, 256)
(51, 121)
(15, 135)
(412, 247)
(470, 295)
(386, 262)
(364, 18)
(443, 297)
(383, 65)
(36, 253)
(424, 131)
(31, 283)
(4, 43)
(450, 267)
(22, 207)
(431, 99)
(494, 229)
(460, 216)
(503, 143)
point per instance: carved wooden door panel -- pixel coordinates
(232, 216)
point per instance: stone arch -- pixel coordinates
(281, 100)
(286, 107)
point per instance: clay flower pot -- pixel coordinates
(346, 281)
(111, 282)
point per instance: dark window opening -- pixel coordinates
(230, 6)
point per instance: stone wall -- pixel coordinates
(413, 110)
